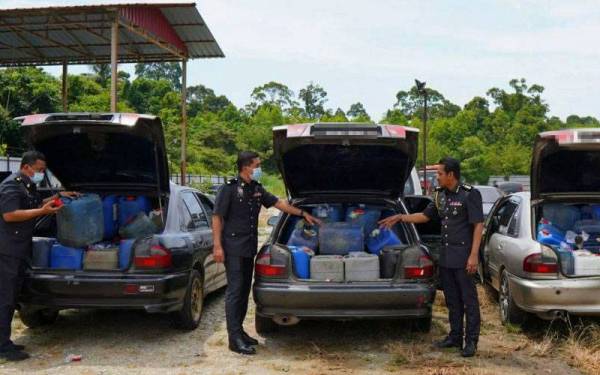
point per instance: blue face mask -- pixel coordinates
(37, 177)
(257, 174)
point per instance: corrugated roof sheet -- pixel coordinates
(81, 34)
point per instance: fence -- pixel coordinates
(199, 179)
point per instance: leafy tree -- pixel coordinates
(274, 93)
(171, 71)
(314, 98)
(201, 99)
(358, 113)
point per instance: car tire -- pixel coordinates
(34, 318)
(188, 318)
(423, 324)
(264, 325)
(510, 313)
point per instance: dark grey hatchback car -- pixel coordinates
(345, 165)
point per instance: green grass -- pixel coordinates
(274, 184)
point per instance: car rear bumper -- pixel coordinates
(153, 293)
(544, 297)
(344, 301)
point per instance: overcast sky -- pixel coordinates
(368, 50)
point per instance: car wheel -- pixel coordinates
(189, 316)
(34, 318)
(423, 324)
(510, 313)
(264, 325)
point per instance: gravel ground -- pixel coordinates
(121, 342)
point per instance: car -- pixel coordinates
(430, 183)
(539, 249)
(122, 153)
(510, 187)
(489, 196)
(343, 164)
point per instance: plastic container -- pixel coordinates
(301, 257)
(361, 267)
(41, 248)
(80, 222)
(140, 226)
(304, 236)
(340, 238)
(125, 249)
(586, 264)
(130, 207)
(364, 216)
(549, 235)
(389, 258)
(101, 258)
(110, 205)
(380, 238)
(327, 268)
(63, 257)
(329, 213)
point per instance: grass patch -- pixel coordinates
(513, 328)
(274, 184)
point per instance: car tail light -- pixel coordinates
(544, 262)
(422, 270)
(265, 268)
(156, 256)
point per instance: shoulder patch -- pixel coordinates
(232, 181)
(467, 187)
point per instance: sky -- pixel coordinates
(369, 50)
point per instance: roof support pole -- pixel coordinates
(183, 120)
(65, 87)
(114, 57)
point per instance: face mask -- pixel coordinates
(256, 174)
(37, 177)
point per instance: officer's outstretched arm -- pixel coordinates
(24, 215)
(416, 218)
(284, 206)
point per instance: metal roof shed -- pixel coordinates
(110, 33)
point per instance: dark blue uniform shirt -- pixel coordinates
(17, 192)
(238, 203)
(458, 211)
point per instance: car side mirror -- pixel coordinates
(273, 220)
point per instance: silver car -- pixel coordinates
(540, 249)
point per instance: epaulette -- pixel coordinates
(467, 187)
(438, 188)
(18, 179)
(232, 181)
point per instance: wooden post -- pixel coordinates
(114, 52)
(65, 87)
(183, 120)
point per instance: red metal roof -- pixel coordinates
(148, 32)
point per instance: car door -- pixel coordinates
(220, 279)
(501, 236)
(195, 222)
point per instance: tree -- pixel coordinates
(102, 73)
(314, 98)
(201, 99)
(358, 113)
(410, 103)
(171, 71)
(274, 93)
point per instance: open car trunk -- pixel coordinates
(119, 162)
(350, 246)
(565, 191)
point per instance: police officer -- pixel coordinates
(235, 233)
(460, 210)
(20, 205)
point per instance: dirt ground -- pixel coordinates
(121, 342)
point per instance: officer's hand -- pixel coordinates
(218, 254)
(49, 208)
(389, 222)
(311, 219)
(472, 264)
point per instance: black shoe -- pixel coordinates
(12, 355)
(18, 347)
(448, 342)
(238, 345)
(469, 350)
(249, 339)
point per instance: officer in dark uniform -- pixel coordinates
(235, 233)
(459, 208)
(20, 205)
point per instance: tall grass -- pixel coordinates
(274, 184)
